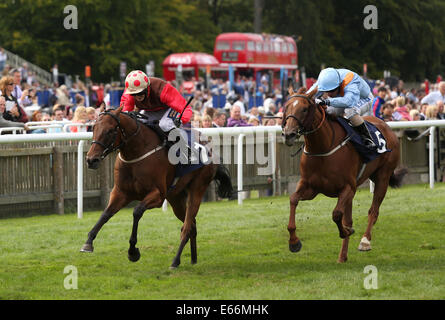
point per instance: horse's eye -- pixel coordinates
(304, 110)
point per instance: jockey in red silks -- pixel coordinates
(155, 98)
(158, 101)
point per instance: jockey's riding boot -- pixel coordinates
(185, 150)
(366, 136)
(163, 136)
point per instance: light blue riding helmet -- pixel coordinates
(328, 79)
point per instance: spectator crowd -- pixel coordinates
(246, 103)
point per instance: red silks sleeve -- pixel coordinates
(127, 102)
(172, 98)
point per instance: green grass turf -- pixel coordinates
(242, 252)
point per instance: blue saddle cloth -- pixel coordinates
(182, 169)
(378, 138)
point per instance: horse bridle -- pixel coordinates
(308, 120)
(110, 147)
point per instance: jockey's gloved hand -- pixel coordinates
(177, 122)
(322, 102)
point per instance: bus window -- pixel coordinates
(291, 47)
(266, 47)
(222, 45)
(277, 47)
(238, 45)
(284, 47)
(259, 47)
(251, 46)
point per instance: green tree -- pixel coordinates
(109, 32)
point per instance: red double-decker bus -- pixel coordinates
(253, 54)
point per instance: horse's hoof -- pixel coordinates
(365, 244)
(175, 264)
(295, 247)
(134, 255)
(87, 248)
(342, 260)
(194, 261)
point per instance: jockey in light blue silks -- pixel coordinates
(349, 96)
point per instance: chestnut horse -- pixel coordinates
(330, 165)
(143, 172)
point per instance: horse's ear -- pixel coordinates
(313, 92)
(102, 107)
(118, 110)
(301, 90)
(290, 90)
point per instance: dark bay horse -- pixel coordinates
(143, 172)
(334, 168)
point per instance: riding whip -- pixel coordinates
(180, 116)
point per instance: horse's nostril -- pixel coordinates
(92, 161)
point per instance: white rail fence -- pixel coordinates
(242, 132)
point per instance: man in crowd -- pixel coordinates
(435, 96)
(219, 119)
(21, 96)
(440, 107)
(378, 102)
(235, 119)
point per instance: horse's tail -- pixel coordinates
(224, 186)
(395, 181)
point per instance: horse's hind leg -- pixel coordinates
(347, 223)
(342, 213)
(196, 191)
(381, 186)
(152, 200)
(303, 192)
(179, 205)
(117, 201)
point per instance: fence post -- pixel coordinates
(431, 157)
(272, 147)
(58, 180)
(240, 168)
(80, 179)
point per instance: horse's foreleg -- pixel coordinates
(303, 192)
(117, 201)
(152, 200)
(193, 247)
(381, 186)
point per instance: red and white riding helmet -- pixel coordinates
(136, 82)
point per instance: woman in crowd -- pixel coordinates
(81, 117)
(415, 115)
(206, 121)
(254, 121)
(402, 109)
(431, 112)
(13, 111)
